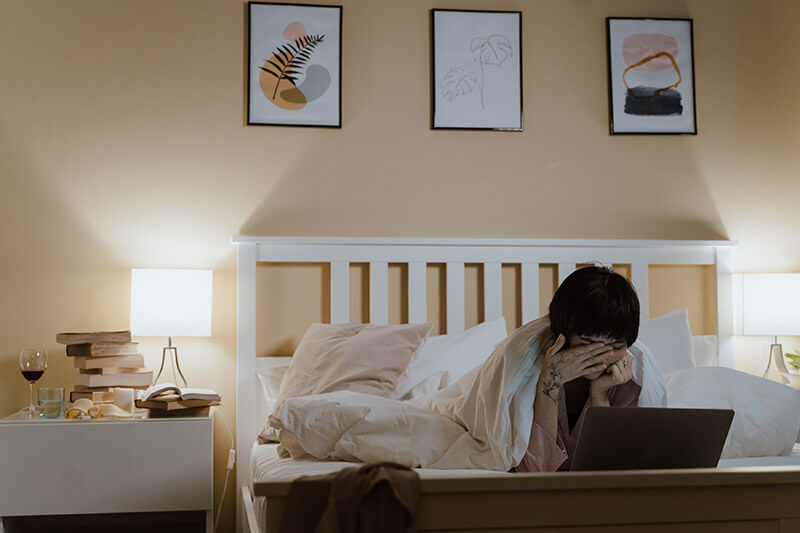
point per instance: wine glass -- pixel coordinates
(32, 364)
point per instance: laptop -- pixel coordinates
(632, 438)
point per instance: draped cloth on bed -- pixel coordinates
(483, 421)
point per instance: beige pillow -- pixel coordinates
(357, 357)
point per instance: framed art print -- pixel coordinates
(294, 65)
(650, 76)
(477, 69)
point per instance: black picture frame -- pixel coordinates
(455, 97)
(651, 108)
(279, 46)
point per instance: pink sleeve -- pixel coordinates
(543, 454)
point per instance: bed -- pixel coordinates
(745, 495)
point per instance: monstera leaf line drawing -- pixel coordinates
(490, 51)
(457, 82)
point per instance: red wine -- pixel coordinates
(32, 375)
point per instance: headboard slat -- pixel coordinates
(455, 297)
(340, 292)
(564, 270)
(492, 291)
(641, 282)
(417, 293)
(724, 275)
(530, 292)
(379, 292)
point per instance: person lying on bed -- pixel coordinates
(594, 318)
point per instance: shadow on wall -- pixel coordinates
(755, 178)
(55, 275)
(642, 188)
(304, 200)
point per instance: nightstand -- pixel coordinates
(92, 467)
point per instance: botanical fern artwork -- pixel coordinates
(279, 74)
(294, 65)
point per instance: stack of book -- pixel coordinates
(105, 360)
(168, 400)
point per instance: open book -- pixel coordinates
(163, 389)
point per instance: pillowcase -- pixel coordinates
(669, 339)
(364, 358)
(704, 350)
(444, 359)
(270, 376)
(767, 416)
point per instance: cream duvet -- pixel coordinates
(483, 421)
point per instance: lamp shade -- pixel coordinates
(170, 302)
(771, 304)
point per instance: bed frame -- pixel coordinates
(736, 500)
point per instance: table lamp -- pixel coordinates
(771, 306)
(170, 303)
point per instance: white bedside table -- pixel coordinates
(77, 467)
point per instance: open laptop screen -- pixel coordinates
(632, 438)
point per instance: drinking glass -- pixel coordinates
(32, 364)
(51, 402)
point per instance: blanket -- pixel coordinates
(482, 421)
(380, 497)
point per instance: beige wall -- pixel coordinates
(122, 143)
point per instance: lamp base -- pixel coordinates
(174, 364)
(776, 369)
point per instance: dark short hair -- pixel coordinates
(596, 302)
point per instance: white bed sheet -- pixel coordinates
(266, 464)
(793, 459)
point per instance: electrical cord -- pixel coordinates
(228, 468)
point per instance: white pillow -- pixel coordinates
(270, 376)
(767, 418)
(444, 359)
(669, 339)
(704, 350)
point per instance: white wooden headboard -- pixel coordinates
(339, 252)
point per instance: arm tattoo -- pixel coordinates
(551, 387)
